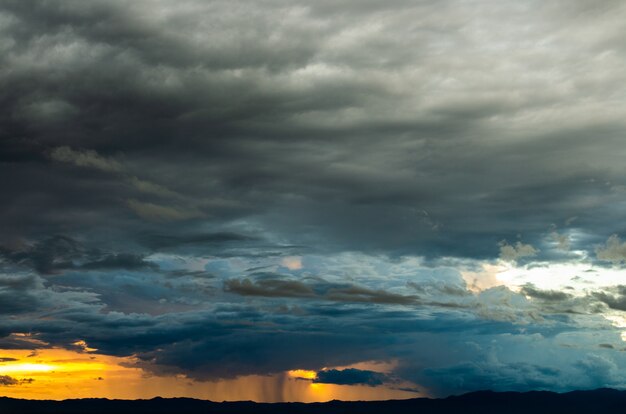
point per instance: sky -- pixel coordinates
(286, 200)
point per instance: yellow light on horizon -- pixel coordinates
(56, 373)
(26, 368)
(302, 374)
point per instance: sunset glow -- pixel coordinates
(28, 368)
(61, 374)
(303, 374)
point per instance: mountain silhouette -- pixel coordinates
(483, 402)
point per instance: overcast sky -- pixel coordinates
(219, 189)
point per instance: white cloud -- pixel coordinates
(613, 251)
(85, 158)
(513, 252)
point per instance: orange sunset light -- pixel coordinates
(56, 373)
(302, 374)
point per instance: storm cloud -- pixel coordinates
(350, 376)
(152, 121)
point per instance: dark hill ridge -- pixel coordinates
(535, 402)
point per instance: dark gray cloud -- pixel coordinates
(45, 256)
(273, 285)
(350, 376)
(361, 294)
(119, 261)
(614, 298)
(269, 288)
(547, 295)
(60, 253)
(8, 380)
(168, 241)
(291, 124)
(483, 376)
